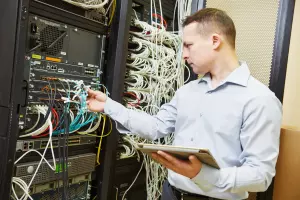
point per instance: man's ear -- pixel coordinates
(216, 40)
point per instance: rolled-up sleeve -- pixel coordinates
(141, 123)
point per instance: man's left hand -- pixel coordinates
(188, 168)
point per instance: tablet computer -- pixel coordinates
(180, 152)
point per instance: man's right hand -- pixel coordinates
(96, 101)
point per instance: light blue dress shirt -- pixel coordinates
(239, 122)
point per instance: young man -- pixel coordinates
(227, 111)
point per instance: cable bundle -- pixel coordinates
(155, 33)
(22, 184)
(96, 7)
(64, 112)
(153, 74)
(155, 70)
(88, 4)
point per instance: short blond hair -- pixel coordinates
(212, 19)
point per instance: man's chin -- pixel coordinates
(197, 71)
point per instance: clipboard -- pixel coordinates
(180, 152)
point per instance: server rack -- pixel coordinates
(12, 24)
(115, 84)
(15, 89)
(112, 168)
(12, 37)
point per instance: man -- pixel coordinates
(227, 111)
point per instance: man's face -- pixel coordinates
(198, 49)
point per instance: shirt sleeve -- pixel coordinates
(259, 138)
(141, 123)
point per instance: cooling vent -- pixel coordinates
(75, 192)
(51, 36)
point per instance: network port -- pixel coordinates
(89, 72)
(53, 67)
(45, 142)
(27, 145)
(60, 70)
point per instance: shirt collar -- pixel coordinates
(239, 76)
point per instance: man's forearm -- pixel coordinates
(137, 122)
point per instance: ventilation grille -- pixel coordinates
(255, 23)
(75, 192)
(49, 35)
(81, 164)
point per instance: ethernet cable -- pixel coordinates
(42, 110)
(88, 4)
(133, 181)
(79, 120)
(36, 123)
(25, 187)
(154, 82)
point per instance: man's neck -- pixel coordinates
(222, 68)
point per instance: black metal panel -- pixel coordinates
(4, 116)
(64, 16)
(8, 18)
(115, 74)
(279, 63)
(124, 177)
(281, 47)
(13, 24)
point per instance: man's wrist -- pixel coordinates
(107, 106)
(197, 172)
(207, 174)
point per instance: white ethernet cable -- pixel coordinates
(22, 183)
(92, 129)
(88, 4)
(133, 181)
(155, 82)
(36, 123)
(43, 110)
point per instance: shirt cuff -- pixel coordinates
(112, 108)
(207, 175)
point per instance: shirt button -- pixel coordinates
(200, 115)
(192, 139)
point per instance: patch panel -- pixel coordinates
(90, 72)
(38, 143)
(77, 165)
(79, 188)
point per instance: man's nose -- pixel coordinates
(185, 55)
